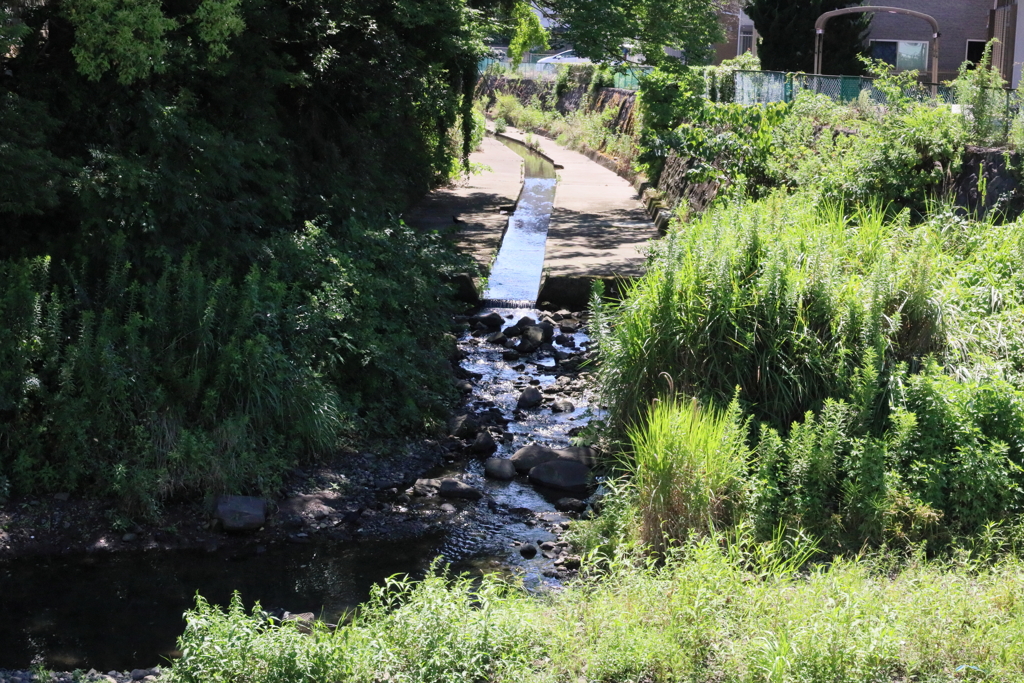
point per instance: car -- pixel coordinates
(567, 57)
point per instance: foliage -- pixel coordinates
(983, 99)
(725, 608)
(786, 29)
(223, 121)
(907, 156)
(599, 29)
(528, 33)
(720, 79)
(432, 631)
(195, 382)
(878, 355)
(199, 236)
(724, 142)
(31, 176)
(580, 129)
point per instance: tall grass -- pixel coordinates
(688, 467)
(882, 360)
(786, 299)
(204, 380)
(717, 609)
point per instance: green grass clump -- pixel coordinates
(688, 468)
(717, 609)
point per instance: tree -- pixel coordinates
(786, 28)
(599, 29)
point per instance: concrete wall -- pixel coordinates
(959, 21)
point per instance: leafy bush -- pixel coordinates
(981, 92)
(724, 142)
(205, 381)
(908, 157)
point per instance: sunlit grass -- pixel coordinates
(716, 610)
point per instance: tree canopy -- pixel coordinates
(786, 28)
(600, 28)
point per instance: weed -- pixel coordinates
(688, 467)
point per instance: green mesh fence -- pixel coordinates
(761, 87)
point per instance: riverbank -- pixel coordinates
(360, 518)
(436, 495)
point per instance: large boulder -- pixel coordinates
(500, 468)
(483, 444)
(562, 406)
(528, 457)
(241, 513)
(534, 335)
(530, 398)
(570, 505)
(491, 320)
(453, 488)
(463, 426)
(426, 487)
(584, 454)
(563, 474)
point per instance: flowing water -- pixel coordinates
(121, 611)
(515, 275)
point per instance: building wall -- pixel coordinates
(959, 21)
(731, 17)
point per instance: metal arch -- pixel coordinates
(819, 32)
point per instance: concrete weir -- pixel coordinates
(516, 273)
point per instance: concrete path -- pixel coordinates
(598, 227)
(477, 201)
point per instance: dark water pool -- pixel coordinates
(124, 611)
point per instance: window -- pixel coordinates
(903, 54)
(975, 51)
(746, 39)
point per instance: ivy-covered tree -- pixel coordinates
(786, 28)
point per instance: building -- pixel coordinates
(740, 35)
(965, 26)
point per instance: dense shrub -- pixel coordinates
(908, 157)
(203, 381)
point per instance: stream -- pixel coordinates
(120, 611)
